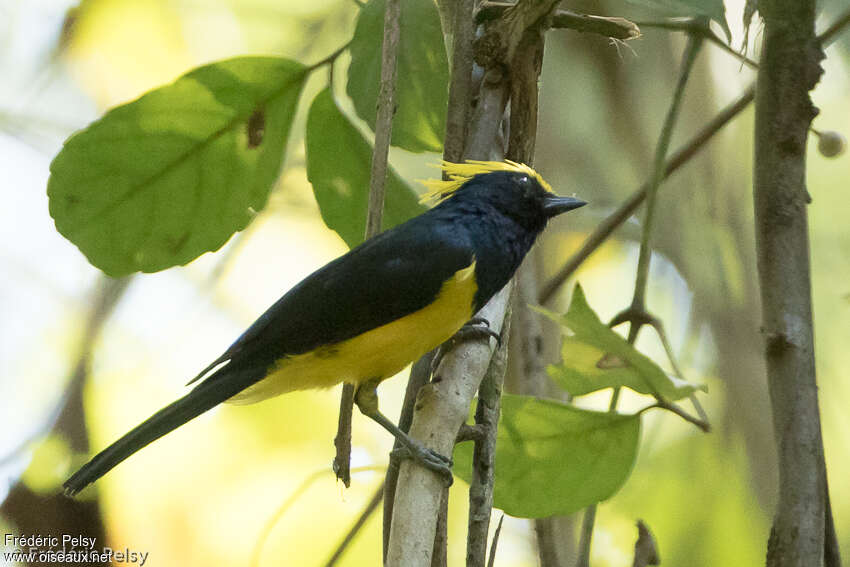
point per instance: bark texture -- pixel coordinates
(789, 70)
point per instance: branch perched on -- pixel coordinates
(613, 27)
(375, 210)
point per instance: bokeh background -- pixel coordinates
(205, 494)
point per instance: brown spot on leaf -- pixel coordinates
(256, 128)
(611, 361)
(175, 244)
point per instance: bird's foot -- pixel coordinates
(474, 329)
(426, 457)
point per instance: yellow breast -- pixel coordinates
(378, 353)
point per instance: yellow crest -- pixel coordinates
(459, 173)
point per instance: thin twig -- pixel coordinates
(586, 536)
(375, 211)
(671, 356)
(330, 58)
(460, 85)
(661, 403)
(684, 154)
(636, 314)
(624, 211)
(495, 543)
(828, 35)
(658, 169)
(342, 440)
(615, 28)
(440, 548)
(484, 453)
(696, 26)
(384, 117)
(358, 525)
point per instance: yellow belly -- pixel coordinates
(379, 353)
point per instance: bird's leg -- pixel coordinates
(475, 328)
(366, 398)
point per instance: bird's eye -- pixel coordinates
(524, 180)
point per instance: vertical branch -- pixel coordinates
(789, 69)
(420, 372)
(679, 158)
(691, 51)
(377, 183)
(586, 537)
(483, 457)
(532, 349)
(460, 87)
(636, 313)
(441, 408)
(525, 72)
(457, 21)
(384, 119)
(524, 64)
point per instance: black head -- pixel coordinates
(520, 196)
(514, 190)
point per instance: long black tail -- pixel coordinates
(206, 395)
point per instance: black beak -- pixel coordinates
(554, 205)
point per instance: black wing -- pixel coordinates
(383, 279)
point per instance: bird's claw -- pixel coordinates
(475, 328)
(428, 458)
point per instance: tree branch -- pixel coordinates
(658, 173)
(695, 26)
(636, 314)
(420, 373)
(630, 205)
(681, 157)
(367, 512)
(615, 28)
(790, 68)
(531, 347)
(460, 86)
(441, 407)
(375, 211)
(484, 454)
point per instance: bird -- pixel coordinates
(366, 315)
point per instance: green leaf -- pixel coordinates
(422, 73)
(159, 181)
(713, 9)
(594, 357)
(553, 458)
(338, 165)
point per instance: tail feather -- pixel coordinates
(205, 396)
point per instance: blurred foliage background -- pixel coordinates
(204, 494)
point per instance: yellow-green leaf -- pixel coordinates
(594, 357)
(338, 165)
(159, 181)
(554, 458)
(422, 73)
